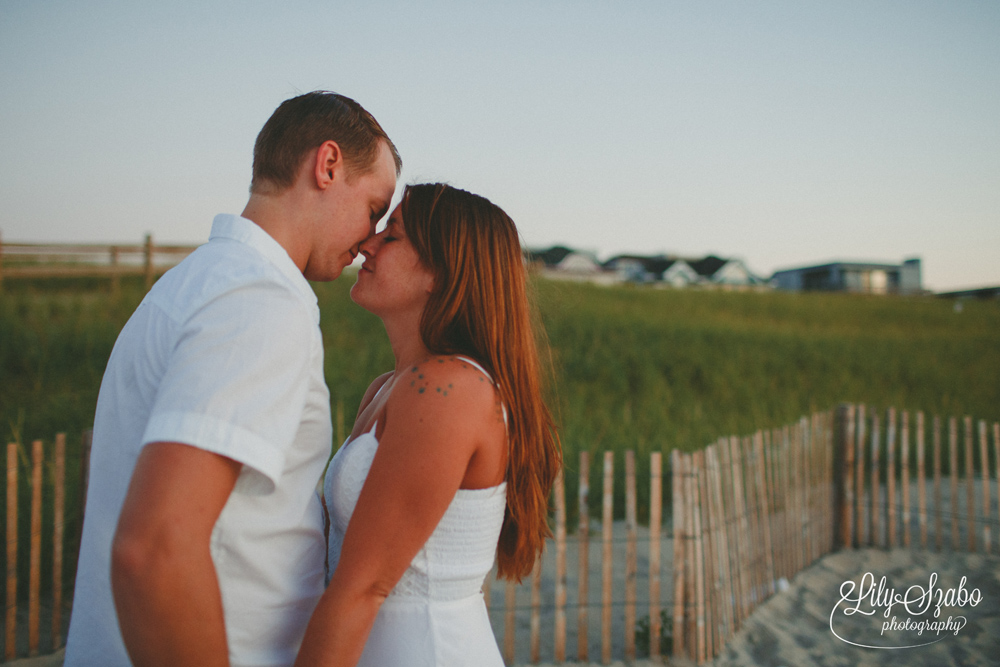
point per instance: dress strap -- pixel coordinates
(482, 370)
(476, 365)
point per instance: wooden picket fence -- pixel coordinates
(748, 513)
(886, 465)
(91, 260)
(17, 627)
(611, 601)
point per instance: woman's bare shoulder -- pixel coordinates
(450, 383)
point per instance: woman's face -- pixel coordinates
(392, 280)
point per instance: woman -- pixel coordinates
(453, 453)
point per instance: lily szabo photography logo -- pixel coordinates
(871, 614)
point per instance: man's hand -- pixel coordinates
(162, 576)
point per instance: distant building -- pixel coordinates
(657, 268)
(718, 271)
(563, 259)
(562, 263)
(974, 293)
(861, 277)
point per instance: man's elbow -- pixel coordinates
(133, 559)
(141, 560)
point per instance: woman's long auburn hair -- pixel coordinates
(479, 307)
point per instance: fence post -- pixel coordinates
(765, 513)
(722, 586)
(57, 538)
(10, 647)
(890, 472)
(630, 555)
(843, 474)
(939, 507)
(655, 517)
(148, 251)
(560, 620)
(115, 278)
(996, 457)
(679, 512)
(35, 558)
(904, 442)
(985, 459)
(509, 621)
(922, 480)
(953, 478)
(583, 533)
(970, 483)
(607, 572)
(1, 261)
(862, 524)
(877, 528)
(536, 608)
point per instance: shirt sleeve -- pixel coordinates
(236, 380)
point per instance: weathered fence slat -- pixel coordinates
(921, 480)
(904, 444)
(690, 591)
(984, 458)
(765, 513)
(953, 474)
(677, 475)
(631, 566)
(723, 584)
(970, 484)
(583, 540)
(714, 554)
(10, 647)
(59, 503)
(510, 604)
(559, 640)
(876, 486)
(708, 553)
(655, 520)
(890, 472)
(863, 522)
(847, 536)
(938, 504)
(536, 609)
(606, 565)
(730, 527)
(35, 558)
(996, 458)
(699, 557)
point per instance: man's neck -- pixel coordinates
(279, 217)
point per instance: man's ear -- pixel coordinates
(329, 164)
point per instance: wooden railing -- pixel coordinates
(68, 260)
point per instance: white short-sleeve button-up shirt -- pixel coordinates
(224, 354)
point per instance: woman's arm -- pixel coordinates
(438, 415)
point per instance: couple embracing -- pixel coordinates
(205, 541)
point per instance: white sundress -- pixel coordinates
(435, 615)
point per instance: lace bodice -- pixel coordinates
(459, 553)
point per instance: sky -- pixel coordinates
(784, 134)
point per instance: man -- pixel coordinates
(203, 540)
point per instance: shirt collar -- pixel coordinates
(238, 228)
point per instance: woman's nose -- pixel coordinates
(370, 245)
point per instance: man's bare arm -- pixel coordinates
(162, 576)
